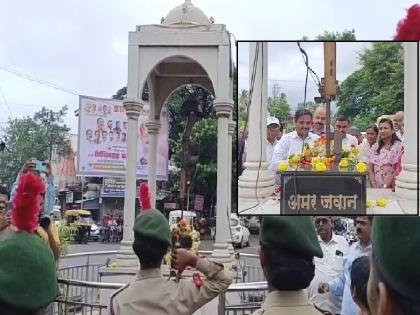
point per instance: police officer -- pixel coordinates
(150, 292)
(287, 248)
(394, 281)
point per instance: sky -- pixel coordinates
(286, 67)
(81, 45)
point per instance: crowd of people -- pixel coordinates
(382, 147)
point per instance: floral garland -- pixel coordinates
(315, 157)
(184, 229)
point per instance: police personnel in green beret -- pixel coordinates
(28, 280)
(394, 280)
(287, 248)
(151, 293)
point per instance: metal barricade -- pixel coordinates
(65, 305)
(87, 303)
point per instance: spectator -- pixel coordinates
(273, 131)
(4, 198)
(319, 121)
(342, 124)
(340, 286)
(384, 155)
(28, 280)
(334, 248)
(355, 132)
(359, 276)
(399, 125)
(371, 138)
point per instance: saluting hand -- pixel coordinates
(183, 258)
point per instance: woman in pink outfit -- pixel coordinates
(384, 156)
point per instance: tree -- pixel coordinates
(346, 35)
(377, 88)
(311, 106)
(279, 107)
(243, 102)
(29, 137)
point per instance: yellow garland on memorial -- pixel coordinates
(315, 157)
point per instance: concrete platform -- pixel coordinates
(395, 206)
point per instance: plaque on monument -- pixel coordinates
(323, 193)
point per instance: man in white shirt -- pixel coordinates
(399, 125)
(342, 124)
(273, 130)
(294, 141)
(334, 248)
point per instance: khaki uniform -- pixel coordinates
(287, 303)
(150, 293)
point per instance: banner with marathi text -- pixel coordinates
(102, 146)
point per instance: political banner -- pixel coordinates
(103, 131)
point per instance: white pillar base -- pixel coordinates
(230, 247)
(406, 182)
(247, 181)
(126, 256)
(221, 253)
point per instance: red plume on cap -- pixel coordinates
(27, 203)
(409, 28)
(145, 197)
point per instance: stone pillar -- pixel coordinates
(406, 182)
(257, 179)
(223, 110)
(153, 131)
(231, 130)
(126, 256)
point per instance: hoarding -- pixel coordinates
(103, 132)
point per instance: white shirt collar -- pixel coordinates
(310, 135)
(334, 239)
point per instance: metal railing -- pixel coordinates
(66, 305)
(81, 289)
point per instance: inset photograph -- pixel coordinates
(322, 128)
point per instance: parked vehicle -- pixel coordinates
(94, 232)
(254, 225)
(83, 220)
(190, 216)
(240, 234)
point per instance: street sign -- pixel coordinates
(199, 203)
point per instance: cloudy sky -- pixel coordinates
(287, 70)
(81, 45)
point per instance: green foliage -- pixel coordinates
(311, 106)
(66, 234)
(32, 137)
(377, 88)
(279, 107)
(346, 35)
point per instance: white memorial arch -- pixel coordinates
(186, 48)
